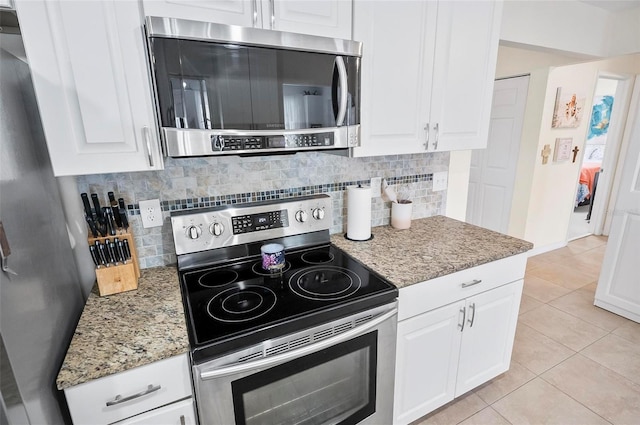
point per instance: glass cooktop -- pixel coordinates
(232, 305)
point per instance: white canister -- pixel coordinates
(401, 214)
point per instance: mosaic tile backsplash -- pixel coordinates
(204, 182)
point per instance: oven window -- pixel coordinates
(336, 385)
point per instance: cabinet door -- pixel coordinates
(327, 18)
(89, 70)
(246, 13)
(180, 413)
(398, 40)
(464, 71)
(487, 340)
(426, 361)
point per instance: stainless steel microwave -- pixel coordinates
(224, 89)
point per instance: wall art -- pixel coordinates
(568, 110)
(562, 152)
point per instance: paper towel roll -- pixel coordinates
(358, 213)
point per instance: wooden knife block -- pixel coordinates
(123, 277)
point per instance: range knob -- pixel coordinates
(318, 213)
(301, 216)
(216, 229)
(193, 232)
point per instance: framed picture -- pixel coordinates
(568, 109)
(562, 152)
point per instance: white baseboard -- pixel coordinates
(546, 248)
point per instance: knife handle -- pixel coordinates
(111, 248)
(96, 206)
(102, 254)
(111, 226)
(127, 249)
(120, 250)
(87, 206)
(122, 210)
(115, 213)
(94, 255)
(92, 226)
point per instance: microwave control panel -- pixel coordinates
(248, 143)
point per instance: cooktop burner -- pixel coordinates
(241, 304)
(217, 278)
(231, 303)
(325, 283)
(317, 257)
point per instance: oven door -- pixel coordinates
(342, 379)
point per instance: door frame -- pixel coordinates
(609, 179)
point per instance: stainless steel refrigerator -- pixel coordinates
(41, 303)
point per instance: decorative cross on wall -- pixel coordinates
(545, 153)
(575, 153)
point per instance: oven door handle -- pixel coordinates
(281, 358)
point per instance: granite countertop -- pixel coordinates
(126, 330)
(432, 247)
(130, 329)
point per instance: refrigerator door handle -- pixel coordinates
(5, 251)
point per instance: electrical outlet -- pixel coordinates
(440, 181)
(376, 187)
(151, 213)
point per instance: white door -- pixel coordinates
(487, 340)
(493, 170)
(619, 284)
(427, 352)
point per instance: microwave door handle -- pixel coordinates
(343, 95)
(281, 358)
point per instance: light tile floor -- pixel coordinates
(572, 362)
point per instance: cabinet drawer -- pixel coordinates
(434, 293)
(151, 386)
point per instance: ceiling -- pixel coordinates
(613, 5)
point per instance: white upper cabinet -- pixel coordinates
(328, 18)
(397, 65)
(464, 72)
(427, 74)
(246, 13)
(89, 70)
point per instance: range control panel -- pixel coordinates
(262, 221)
(236, 143)
(218, 227)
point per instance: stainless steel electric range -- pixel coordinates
(312, 342)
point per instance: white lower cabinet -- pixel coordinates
(444, 351)
(180, 413)
(157, 393)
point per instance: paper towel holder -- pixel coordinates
(358, 240)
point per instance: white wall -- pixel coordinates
(571, 26)
(625, 41)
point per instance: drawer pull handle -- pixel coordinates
(119, 399)
(473, 282)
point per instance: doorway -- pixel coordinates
(600, 153)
